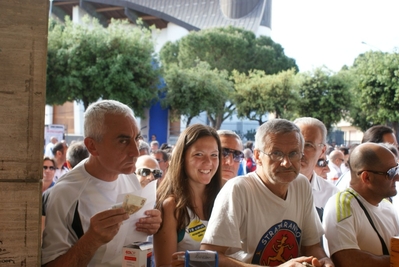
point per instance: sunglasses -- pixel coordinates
(147, 171)
(322, 163)
(237, 155)
(391, 173)
(49, 167)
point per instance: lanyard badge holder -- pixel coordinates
(201, 258)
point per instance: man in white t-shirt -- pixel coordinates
(80, 220)
(359, 222)
(314, 133)
(267, 217)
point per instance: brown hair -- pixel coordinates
(175, 184)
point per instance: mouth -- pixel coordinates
(205, 171)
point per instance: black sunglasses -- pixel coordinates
(147, 171)
(322, 163)
(49, 167)
(237, 155)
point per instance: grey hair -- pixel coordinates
(229, 133)
(95, 115)
(76, 152)
(275, 126)
(247, 153)
(144, 145)
(313, 122)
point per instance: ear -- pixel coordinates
(364, 176)
(323, 150)
(91, 146)
(257, 157)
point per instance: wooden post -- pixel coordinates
(23, 57)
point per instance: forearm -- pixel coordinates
(357, 258)
(79, 254)
(225, 261)
(318, 252)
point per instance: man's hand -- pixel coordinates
(151, 223)
(105, 225)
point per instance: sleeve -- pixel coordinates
(57, 236)
(340, 233)
(224, 225)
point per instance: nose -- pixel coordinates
(134, 149)
(228, 160)
(286, 161)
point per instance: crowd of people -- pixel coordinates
(286, 199)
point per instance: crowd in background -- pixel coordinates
(211, 188)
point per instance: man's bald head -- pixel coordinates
(147, 161)
(369, 156)
(337, 157)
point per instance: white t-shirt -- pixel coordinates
(344, 181)
(93, 196)
(259, 227)
(334, 174)
(347, 227)
(193, 233)
(322, 191)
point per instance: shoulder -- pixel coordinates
(341, 201)
(169, 204)
(326, 185)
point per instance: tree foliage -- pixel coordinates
(87, 62)
(258, 94)
(224, 49)
(378, 87)
(194, 90)
(324, 96)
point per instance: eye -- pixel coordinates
(215, 155)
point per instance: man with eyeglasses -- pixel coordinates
(147, 169)
(232, 154)
(359, 223)
(267, 217)
(314, 133)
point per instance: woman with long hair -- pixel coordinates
(187, 194)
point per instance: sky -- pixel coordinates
(334, 33)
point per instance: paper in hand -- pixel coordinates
(131, 203)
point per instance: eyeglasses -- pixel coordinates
(160, 160)
(147, 171)
(322, 163)
(237, 155)
(49, 167)
(279, 156)
(310, 146)
(391, 173)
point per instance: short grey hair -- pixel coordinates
(229, 133)
(313, 122)
(247, 153)
(275, 126)
(95, 116)
(76, 152)
(144, 145)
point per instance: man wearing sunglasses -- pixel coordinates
(358, 221)
(232, 154)
(147, 169)
(314, 133)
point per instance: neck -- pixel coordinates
(370, 197)
(96, 170)
(279, 190)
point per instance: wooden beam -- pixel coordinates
(105, 9)
(56, 3)
(148, 17)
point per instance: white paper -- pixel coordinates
(127, 232)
